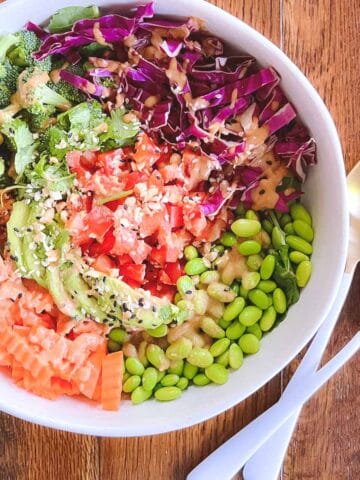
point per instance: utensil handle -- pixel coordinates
(221, 464)
(267, 461)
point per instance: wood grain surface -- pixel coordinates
(322, 38)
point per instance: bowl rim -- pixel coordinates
(220, 406)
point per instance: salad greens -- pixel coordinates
(65, 18)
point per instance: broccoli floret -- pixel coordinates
(21, 55)
(6, 42)
(40, 120)
(5, 95)
(9, 74)
(73, 94)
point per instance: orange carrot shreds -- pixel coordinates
(111, 381)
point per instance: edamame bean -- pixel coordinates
(211, 328)
(177, 298)
(285, 219)
(236, 356)
(223, 359)
(131, 383)
(219, 347)
(298, 243)
(297, 257)
(156, 357)
(113, 346)
(139, 395)
(249, 280)
(255, 330)
(134, 366)
(190, 371)
(217, 373)
(279, 300)
(195, 266)
(126, 375)
(118, 335)
(176, 366)
(251, 215)
(267, 267)
(170, 380)
(166, 394)
(183, 383)
(190, 252)
(233, 309)
(254, 262)
(200, 301)
(267, 286)
(243, 291)
(299, 212)
(228, 239)
(200, 380)
(218, 248)
(221, 292)
(250, 315)
(304, 230)
(150, 378)
(268, 319)
(160, 376)
(179, 349)
(185, 285)
(224, 324)
(303, 273)
(244, 227)
(249, 247)
(209, 276)
(249, 343)
(277, 237)
(200, 357)
(259, 298)
(267, 226)
(235, 287)
(235, 330)
(289, 229)
(159, 331)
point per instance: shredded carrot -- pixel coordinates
(111, 381)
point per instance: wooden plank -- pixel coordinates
(322, 38)
(172, 456)
(31, 452)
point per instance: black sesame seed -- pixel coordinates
(262, 191)
(188, 292)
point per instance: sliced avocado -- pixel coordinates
(15, 227)
(80, 292)
(63, 300)
(32, 262)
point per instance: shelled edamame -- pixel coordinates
(234, 297)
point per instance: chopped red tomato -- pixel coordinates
(111, 162)
(176, 219)
(105, 246)
(104, 264)
(173, 270)
(98, 221)
(134, 272)
(132, 178)
(146, 151)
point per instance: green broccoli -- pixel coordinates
(21, 55)
(73, 94)
(5, 95)
(9, 74)
(6, 42)
(39, 121)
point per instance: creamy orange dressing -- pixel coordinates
(174, 75)
(55, 74)
(232, 265)
(152, 101)
(25, 87)
(265, 195)
(256, 136)
(99, 37)
(130, 40)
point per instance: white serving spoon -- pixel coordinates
(267, 461)
(228, 459)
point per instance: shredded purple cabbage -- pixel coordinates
(186, 89)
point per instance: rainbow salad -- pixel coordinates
(151, 228)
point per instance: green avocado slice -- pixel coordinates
(15, 226)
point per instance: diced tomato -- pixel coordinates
(124, 259)
(78, 229)
(150, 224)
(159, 290)
(88, 201)
(158, 255)
(173, 270)
(88, 160)
(74, 162)
(104, 264)
(111, 162)
(176, 219)
(132, 178)
(146, 151)
(99, 220)
(133, 272)
(132, 283)
(104, 247)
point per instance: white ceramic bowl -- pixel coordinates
(325, 194)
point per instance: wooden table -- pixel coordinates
(322, 37)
